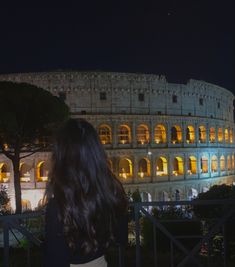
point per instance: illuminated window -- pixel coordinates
(142, 134)
(42, 171)
(125, 168)
(220, 135)
(222, 163)
(204, 165)
(190, 135)
(202, 134)
(228, 162)
(4, 172)
(233, 162)
(226, 136)
(144, 167)
(124, 134)
(212, 135)
(161, 168)
(26, 205)
(105, 134)
(192, 165)
(178, 166)
(160, 134)
(214, 164)
(231, 136)
(176, 134)
(24, 172)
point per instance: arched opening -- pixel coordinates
(176, 134)
(160, 134)
(124, 134)
(4, 172)
(226, 136)
(228, 163)
(24, 172)
(144, 167)
(222, 163)
(105, 134)
(192, 165)
(161, 167)
(165, 196)
(178, 166)
(125, 168)
(214, 164)
(220, 135)
(212, 135)
(43, 168)
(193, 193)
(231, 136)
(204, 164)
(190, 135)
(233, 162)
(177, 195)
(142, 134)
(26, 205)
(145, 196)
(202, 134)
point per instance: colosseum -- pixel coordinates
(170, 141)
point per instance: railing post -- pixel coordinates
(137, 234)
(6, 244)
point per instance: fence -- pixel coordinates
(159, 220)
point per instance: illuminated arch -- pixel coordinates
(124, 134)
(220, 135)
(105, 134)
(176, 134)
(26, 205)
(144, 167)
(161, 166)
(226, 136)
(24, 172)
(202, 134)
(193, 193)
(159, 134)
(42, 171)
(228, 163)
(192, 165)
(214, 164)
(4, 172)
(204, 164)
(142, 134)
(190, 134)
(222, 163)
(178, 166)
(125, 168)
(231, 136)
(233, 161)
(145, 196)
(212, 135)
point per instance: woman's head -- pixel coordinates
(88, 195)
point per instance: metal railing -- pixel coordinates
(185, 249)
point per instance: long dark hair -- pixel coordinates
(88, 195)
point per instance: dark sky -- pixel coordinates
(180, 39)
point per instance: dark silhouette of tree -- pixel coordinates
(29, 115)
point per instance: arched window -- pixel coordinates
(144, 167)
(192, 165)
(176, 134)
(125, 168)
(178, 166)
(233, 161)
(160, 134)
(214, 164)
(222, 163)
(220, 135)
(204, 164)
(202, 134)
(124, 134)
(228, 163)
(161, 166)
(42, 171)
(212, 135)
(190, 135)
(105, 134)
(231, 136)
(4, 172)
(193, 193)
(24, 172)
(226, 136)
(142, 134)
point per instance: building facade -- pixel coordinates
(169, 141)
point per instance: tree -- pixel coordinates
(29, 115)
(4, 200)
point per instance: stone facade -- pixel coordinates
(160, 137)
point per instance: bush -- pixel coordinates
(4, 200)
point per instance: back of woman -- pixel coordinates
(86, 208)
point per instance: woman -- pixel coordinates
(86, 204)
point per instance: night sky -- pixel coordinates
(179, 39)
